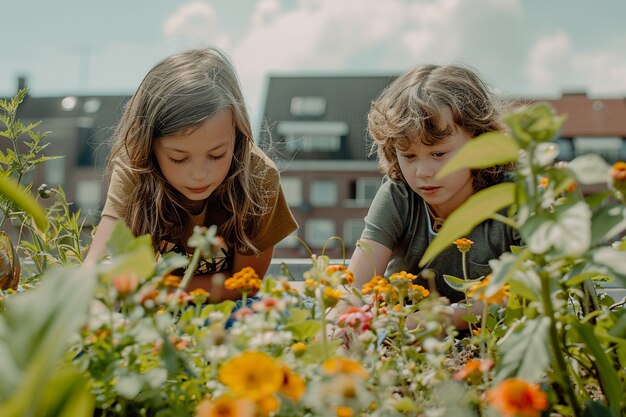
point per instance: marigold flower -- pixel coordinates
(252, 375)
(298, 348)
(293, 385)
(171, 281)
(515, 397)
(377, 286)
(343, 365)
(618, 171)
(225, 406)
(245, 280)
(267, 405)
(478, 291)
(346, 277)
(617, 177)
(343, 411)
(463, 244)
(543, 182)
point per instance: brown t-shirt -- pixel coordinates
(274, 226)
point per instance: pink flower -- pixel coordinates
(358, 318)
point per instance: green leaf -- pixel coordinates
(610, 382)
(122, 240)
(525, 353)
(461, 284)
(478, 208)
(25, 201)
(304, 330)
(607, 223)
(486, 150)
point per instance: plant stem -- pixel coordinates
(561, 366)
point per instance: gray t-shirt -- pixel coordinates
(398, 219)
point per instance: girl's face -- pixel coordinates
(196, 162)
(419, 163)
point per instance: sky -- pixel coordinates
(531, 48)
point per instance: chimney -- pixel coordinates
(21, 82)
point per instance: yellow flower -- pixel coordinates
(245, 280)
(463, 244)
(225, 406)
(298, 348)
(293, 385)
(343, 365)
(543, 182)
(252, 375)
(331, 296)
(617, 177)
(377, 285)
(478, 291)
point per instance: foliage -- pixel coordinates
(543, 344)
(49, 236)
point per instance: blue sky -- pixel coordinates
(533, 48)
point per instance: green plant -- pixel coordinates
(55, 236)
(561, 334)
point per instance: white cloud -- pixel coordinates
(604, 73)
(548, 60)
(194, 21)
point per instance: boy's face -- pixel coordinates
(196, 162)
(419, 163)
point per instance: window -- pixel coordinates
(318, 232)
(308, 106)
(320, 136)
(323, 193)
(88, 196)
(363, 190)
(292, 188)
(352, 229)
(54, 172)
(310, 143)
(610, 148)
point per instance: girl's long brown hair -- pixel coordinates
(177, 95)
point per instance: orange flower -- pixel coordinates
(225, 406)
(245, 280)
(478, 292)
(473, 370)
(125, 284)
(543, 182)
(347, 277)
(515, 397)
(172, 281)
(343, 365)
(293, 385)
(618, 171)
(463, 244)
(343, 411)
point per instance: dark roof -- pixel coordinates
(348, 99)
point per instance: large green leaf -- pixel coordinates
(478, 208)
(525, 353)
(612, 387)
(484, 151)
(25, 201)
